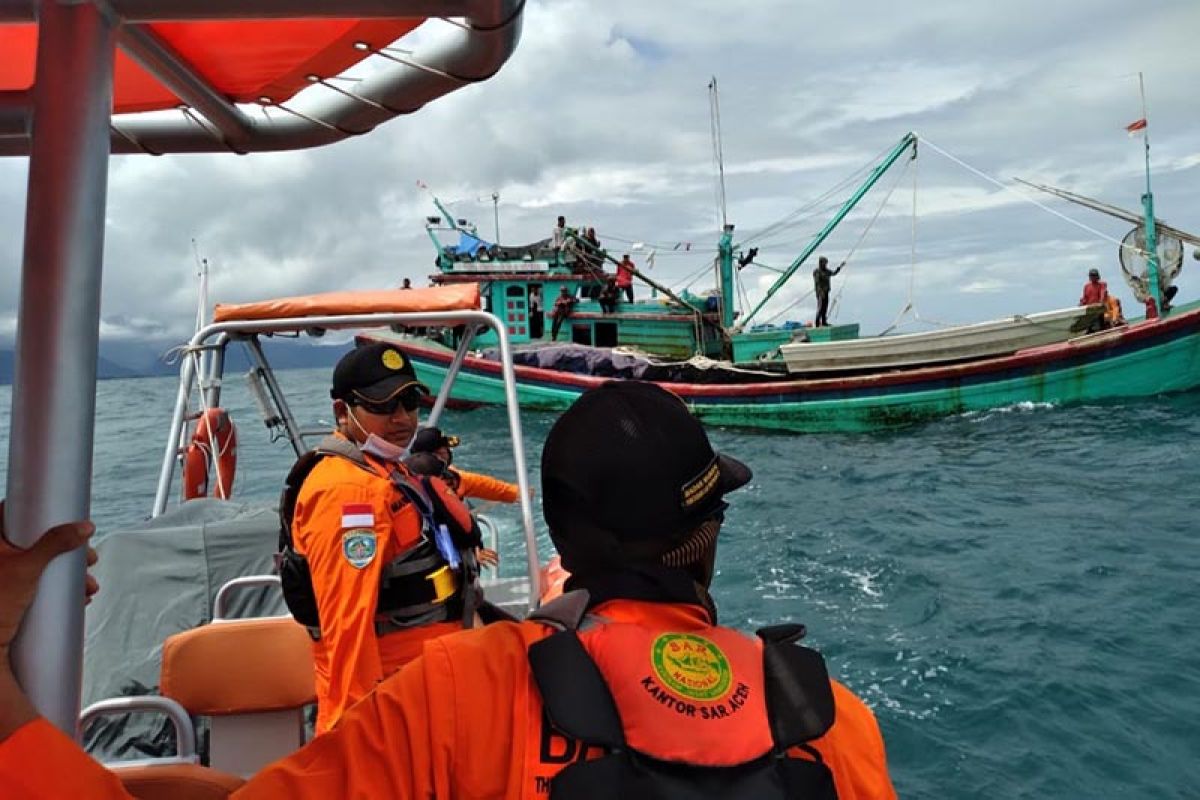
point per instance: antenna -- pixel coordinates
(202, 274)
(714, 109)
(496, 212)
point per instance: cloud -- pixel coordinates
(603, 115)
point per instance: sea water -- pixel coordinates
(1013, 592)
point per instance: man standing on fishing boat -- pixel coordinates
(624, 687)
(625, 270)
(370, 553)
(564, 304)
(821, 284)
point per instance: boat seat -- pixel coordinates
(177, 777)
(177, 782)
(252, 678)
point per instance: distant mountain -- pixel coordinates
(125, 359)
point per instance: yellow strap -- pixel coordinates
(444, 583)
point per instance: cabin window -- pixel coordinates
(606, 334)
(515, 291)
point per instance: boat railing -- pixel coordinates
(491, 536)
(221, 602)
(177, 715)
(193, 369)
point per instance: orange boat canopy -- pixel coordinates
(459, 297)
(246, 61)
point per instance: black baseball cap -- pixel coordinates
(627, 474)
(429, 439)
(375, 372)
(1093, 271)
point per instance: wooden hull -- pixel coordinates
(959, 343)
(1140, 360)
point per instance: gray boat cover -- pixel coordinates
(614, 363)
(158, 579)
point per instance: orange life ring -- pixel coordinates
(213, 428)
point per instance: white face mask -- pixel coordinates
(377, 445)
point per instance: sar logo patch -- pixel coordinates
(359, 547)
(691, 666)
(393, 360)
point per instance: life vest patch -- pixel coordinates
(359, 547)
(691, 666)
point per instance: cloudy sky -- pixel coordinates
(603, 115)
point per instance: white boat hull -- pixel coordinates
(959, 343)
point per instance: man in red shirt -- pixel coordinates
(1095, 290)
(625, 277)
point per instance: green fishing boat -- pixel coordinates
(796, 378)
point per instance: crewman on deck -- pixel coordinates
(625, 269)
(624, 687)
(357, 517)
(822, 279)
(1095, 292)
(466, 484)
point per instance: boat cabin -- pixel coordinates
(521, 284)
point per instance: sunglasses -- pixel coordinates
(409, 400)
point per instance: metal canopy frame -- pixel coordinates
(220, 334)
(65, 125)
(470, 51)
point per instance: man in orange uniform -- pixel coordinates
(355, 516)
(624, 687)
(466, 484)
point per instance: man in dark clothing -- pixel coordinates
(821, 276)
(609, 295)
(562, 309)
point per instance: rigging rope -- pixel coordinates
(883, 204)
(791, 219)
(1026, 198)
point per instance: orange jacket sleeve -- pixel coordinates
(853, 749)
(38, 762)
(485, 487)
(333, 515)
(426, 731)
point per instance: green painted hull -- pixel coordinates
(1139, 361)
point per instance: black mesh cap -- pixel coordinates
(627, 472)
(375, 372)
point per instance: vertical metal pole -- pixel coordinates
(54, 387)
(187, 373)
(514, 425)
(439, 405)
(285, 412)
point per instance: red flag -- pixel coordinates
(1133, 127)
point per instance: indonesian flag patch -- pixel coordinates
(357, 515)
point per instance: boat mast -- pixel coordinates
(725, 247)
(1148, 207)
(909, 140)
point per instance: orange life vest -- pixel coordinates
(432, 581)
(642, 712)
